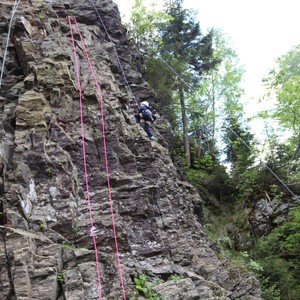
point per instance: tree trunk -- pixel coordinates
(185, 128)
(213, 108)
(296, 156)
(199, 138)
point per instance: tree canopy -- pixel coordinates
(197, 77)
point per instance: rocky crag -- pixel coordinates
(46, 244)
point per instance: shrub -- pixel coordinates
(279, 255)
(145, 287)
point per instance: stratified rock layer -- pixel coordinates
(46, 245)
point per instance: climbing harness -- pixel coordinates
(105, 151)
(16, 4)
(84, 160)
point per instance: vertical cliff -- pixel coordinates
(46, 241)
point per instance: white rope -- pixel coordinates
(16, 4)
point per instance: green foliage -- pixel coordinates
(283, 158)
(286, 68)
(160, 78)
(239, 144)
(145, 25)
(250, 263)
(222, 233)
(279, 255)
(42, 226)
(284, 240)
(175, 277)
(182, 39)
(187, 53)
(269, 290)
(68, 246)
(218, 96)
(60, 277)
(288, 108)
(276, 192)
(145, 287)
(224, 236)
(224, 227)
(208, 175)
(48, 170)
(248, 183)
(283, 82)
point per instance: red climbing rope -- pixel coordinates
(84, 161)
(106, 160)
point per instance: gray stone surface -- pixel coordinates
(46, 247)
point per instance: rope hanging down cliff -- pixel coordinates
(84, 160)
(115, 50)
(105, 156)
(147, 127)
(16, 4)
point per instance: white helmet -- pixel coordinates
(145, 103)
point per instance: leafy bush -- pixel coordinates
(279, 255)
(207, 175)
(60, 277)
(145, 287)
(269, 290)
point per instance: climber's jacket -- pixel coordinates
(146, 114)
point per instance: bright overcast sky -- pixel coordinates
(260, 31)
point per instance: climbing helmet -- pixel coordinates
(145, 103)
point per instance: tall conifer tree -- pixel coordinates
(189, 53)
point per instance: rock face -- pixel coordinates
(47, 242)
(268, 213)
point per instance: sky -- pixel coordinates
(260, 31)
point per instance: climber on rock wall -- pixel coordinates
(145, 114)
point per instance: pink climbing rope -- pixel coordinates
(84, 161)
(106, 160)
